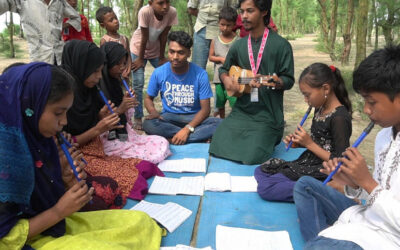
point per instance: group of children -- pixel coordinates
(40, 201)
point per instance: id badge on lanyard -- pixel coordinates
(254, 67)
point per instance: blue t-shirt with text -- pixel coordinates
(180, 94)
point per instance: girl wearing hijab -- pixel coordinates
(147, 147)
(37, 207)
(89, 120)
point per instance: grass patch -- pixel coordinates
(293, 36)
(5, 50)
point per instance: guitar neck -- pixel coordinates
(262, 80)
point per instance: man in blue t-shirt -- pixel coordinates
(185, 94)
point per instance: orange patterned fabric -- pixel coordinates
(123, 171)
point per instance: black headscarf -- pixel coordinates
(81, 59)
(110, 86)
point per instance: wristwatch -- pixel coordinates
(191, 129)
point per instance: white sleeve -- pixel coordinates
(8, 5)
(387, 205)
(73, 15)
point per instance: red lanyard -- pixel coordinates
(254, 68)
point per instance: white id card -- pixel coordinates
(254, 95)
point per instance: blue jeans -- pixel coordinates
(322, 243)
(170, 124)
(318, 206)
(201, 47)
(138, 83)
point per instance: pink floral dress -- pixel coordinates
(151, 148)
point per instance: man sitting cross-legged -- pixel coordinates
(185, 94)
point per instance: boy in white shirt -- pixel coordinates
(376, 224)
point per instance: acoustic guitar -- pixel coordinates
(244, 76)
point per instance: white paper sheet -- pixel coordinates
(149, 208)
(170, 215)
(243, 184)
(194, 165)
(173, 186)
(191, 185)
(164, 185)
(234, 238)
(217, 182)
(184, 247)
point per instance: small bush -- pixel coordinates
(5, 48)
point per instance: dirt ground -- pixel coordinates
(304, 55)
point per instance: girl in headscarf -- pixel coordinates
(89, 118)
(148, 147)
(37, 208)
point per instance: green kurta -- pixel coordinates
(250, 133)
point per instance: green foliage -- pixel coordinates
(5, 49)
(17, 30)
(348, 80)
(292, 36)
(356, 100)
(320, 44)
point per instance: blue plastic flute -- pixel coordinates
(69, 145)
(67, 154)
(127, 88)
(105, 100)
(355, 144)
(301, 124)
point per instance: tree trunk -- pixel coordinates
(333, 26)
(128, 15)
(190, 24)
(11, 30)
(387, 33)
(391, 21)
(294, 17)
(376, 25)
(347, 33)
(88, 13)
(287, 17)
(21, 30)
(136, 7)
(280, 15)
(361, 32)
(324, 23)
(82, 7)
(370, 25)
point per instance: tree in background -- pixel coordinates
(388, 12)
(331, 19)
(361, 31)
(10, 26)
(347, 33)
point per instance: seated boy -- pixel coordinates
(374, 225)
(185, 95)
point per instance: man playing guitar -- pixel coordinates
(255, 125)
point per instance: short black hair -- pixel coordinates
(379, 72)
(262, 5)
(228, 13)
(180, 37)
(101, 12)
(62, 84)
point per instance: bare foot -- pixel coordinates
(137, 124)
